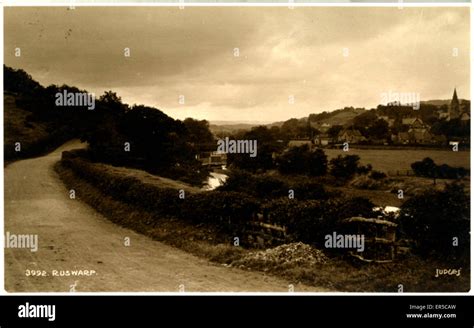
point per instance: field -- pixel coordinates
(397, 159)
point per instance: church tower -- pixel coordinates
(454, 108)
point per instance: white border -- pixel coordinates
(21, 3)
(396, 4)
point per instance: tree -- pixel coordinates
(434, 218)
(363, 121)
(427, 168)
(198, 133)
(267, 145)
(344, 167)
(301, 160)
(318, 163)
(334, 131)
(378, 130)
(17, 80)
(294, 160)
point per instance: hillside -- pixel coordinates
(341, 116)
(18, 128)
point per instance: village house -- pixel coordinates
(213, 158)
(422, 136)
(351, 136)
(413, 122)
(300, 142)
(390, 121)
(465, 117)
(322, 140)
(418, 132)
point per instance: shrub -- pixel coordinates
(364, 169)
(428, 168)
(434, 218)
(310, 190)
(318, 163)
(344, 167)
(226, 209)
(377, 175)
(268, 187)
(310, 220)
(256, 185)
(302, 160)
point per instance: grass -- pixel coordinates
(384, 192)
(414, 273)
(201, 240)
(400, 159)
(143, 176)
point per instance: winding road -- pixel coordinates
(73, 236)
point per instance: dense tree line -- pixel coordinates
(137, 136)
(429, 169)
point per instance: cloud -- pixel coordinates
(282, 52)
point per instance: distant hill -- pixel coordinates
(343, 117)
(228, 127)
(253, 123)
(441, 102)
(338, 117)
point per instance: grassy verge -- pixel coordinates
(412, 273)
(201, 240)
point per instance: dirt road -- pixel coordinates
(73, 236)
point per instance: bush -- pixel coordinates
(256, 185)
(377, 175)
(268, 187)
(344, 167)
(364, 169)
(310, 221)
(428, 168)
(226, 209)
(301, 160)
(424, 168)
(310, 190)
(434, 218)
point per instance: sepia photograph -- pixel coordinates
(237, 149)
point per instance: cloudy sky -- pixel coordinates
(247, 63)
